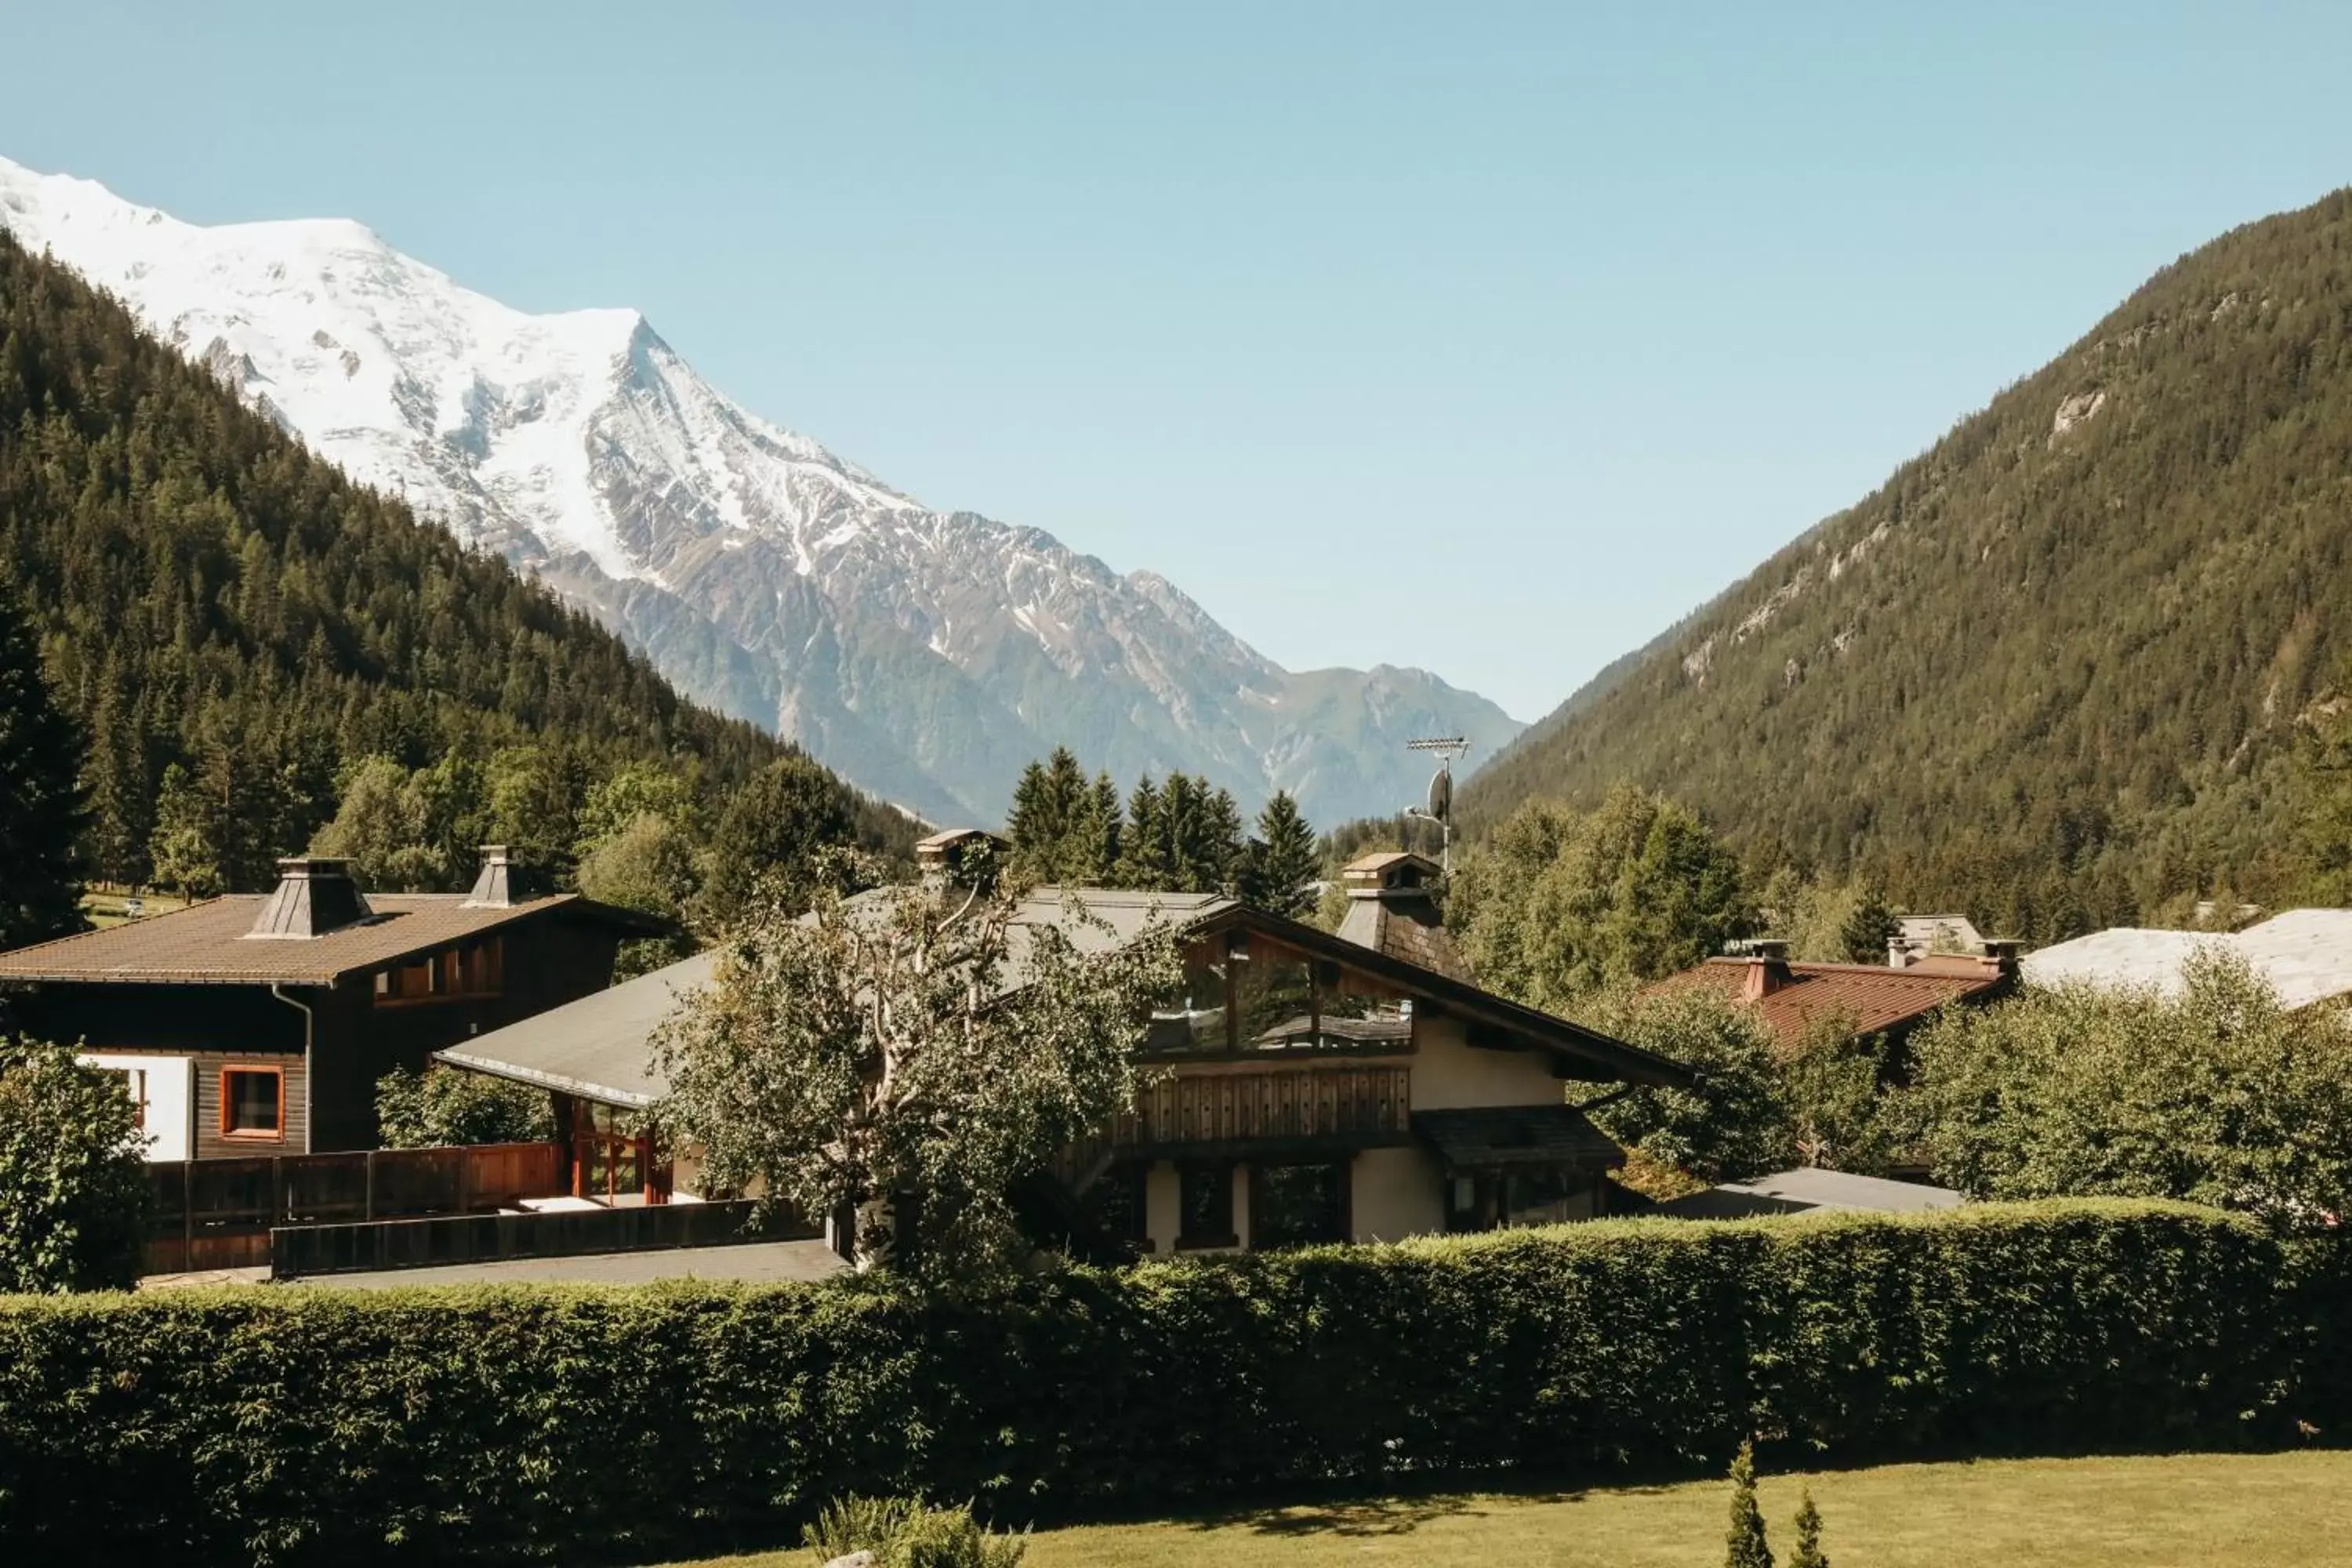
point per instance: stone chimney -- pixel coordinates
(1767, 969)
(1393, 907)
(2002, 953)
(959, 860)
(495, 888)
(315, 895)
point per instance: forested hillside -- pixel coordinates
(2054, 672)
(219, 609)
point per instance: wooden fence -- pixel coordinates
(297, 1250)
(218, 1214)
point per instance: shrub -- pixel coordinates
(1744, 1545)
(1808, 1553)
(443, 1106)
(73, 1175)
(639, 1424)
(905, 1532)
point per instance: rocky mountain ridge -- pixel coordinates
(927, 655)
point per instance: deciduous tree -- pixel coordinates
(2217, 1095)
(1736, 1121)
(73, 1176)
(889, 1052)
(1560, 903)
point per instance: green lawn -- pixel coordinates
(2189, 1511)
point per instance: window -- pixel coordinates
(1531, 1195)
(475, 969)
(1206, 1196)
(134, 1082)
(1295, 1206)
(1120, 1207)
(253, 1102)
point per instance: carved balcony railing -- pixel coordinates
(1365, 1104)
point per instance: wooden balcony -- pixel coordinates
(1331, 1104)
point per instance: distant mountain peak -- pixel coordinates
(925, 655)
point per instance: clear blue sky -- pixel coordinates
(1486, 337)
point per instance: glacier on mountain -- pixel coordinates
(925, 655)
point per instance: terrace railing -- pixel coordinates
(218, 1214)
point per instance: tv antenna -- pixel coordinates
(1440, 808)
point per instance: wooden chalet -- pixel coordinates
(1307, 1087)
(259, 1023)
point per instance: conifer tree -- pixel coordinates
(1034, 838)
(185, 846)
(114, 781)
(1282, 861)
(1808, 1553)
(1744, 1546)
(771, 832)
(1097, 839)
(1868, 927)
(41, 810)
(1144, 861)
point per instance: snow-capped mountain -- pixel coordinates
(925, 655)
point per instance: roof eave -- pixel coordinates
(1560, 1037)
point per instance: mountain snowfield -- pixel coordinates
(925, 655)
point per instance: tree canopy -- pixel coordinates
(41, 800)
(238, 628)
(1557, 904)
(2217, 1095)
(2050, 672)
(73, 1172)
(875, 1054)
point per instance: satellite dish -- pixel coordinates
(1440, 794)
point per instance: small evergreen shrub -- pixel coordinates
(905, 1532)
(1744, 1545)
(1808, 1553)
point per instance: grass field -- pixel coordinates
(105, 906)
(2277, 1510)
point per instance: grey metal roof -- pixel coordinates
(2306, 954)
(600, 1046)
(1806, 1190)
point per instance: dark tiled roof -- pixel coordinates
(1873, 996)
(1516, 1135)
(207, 942)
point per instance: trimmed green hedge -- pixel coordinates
(576, 1423)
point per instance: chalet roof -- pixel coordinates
(947, 837)
(606, 1038)
(1874, 997)
(2306, 954)
(1516, 1135)
(1807, 1190)
(599, 1047)
(208, 943)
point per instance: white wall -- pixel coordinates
(1450, 1074)
(165, 1087)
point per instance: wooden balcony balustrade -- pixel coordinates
(1367, 1104)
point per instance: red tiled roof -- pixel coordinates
(207, 942)
(1874, 997)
